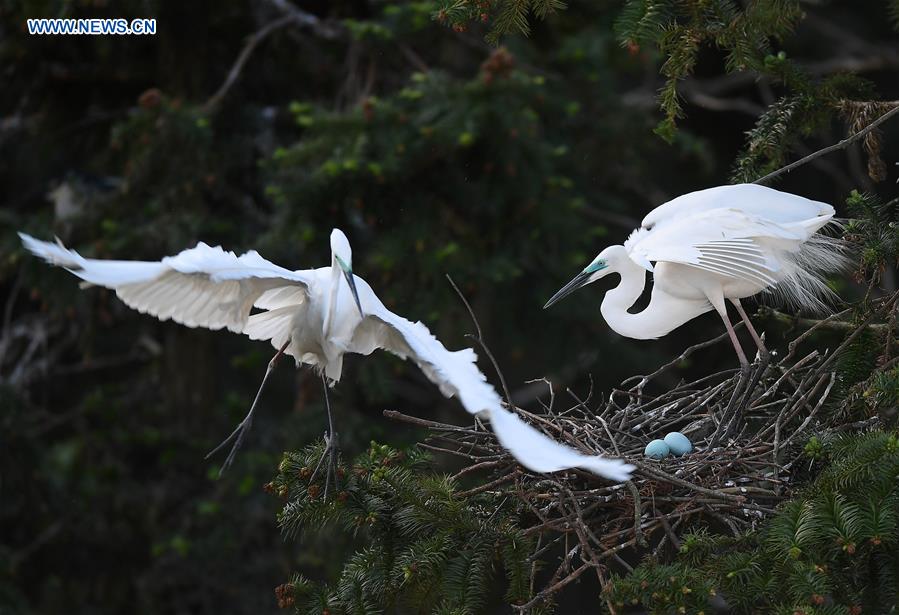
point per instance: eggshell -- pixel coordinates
(657, 449)
(678, 443)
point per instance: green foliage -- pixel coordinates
(882, 395)
(425, 546)
(673, 588)
(874, 231)
(893, 8)
(502, 16)
(829, 550)
(680, 30)
(856, 364)
(812, 106)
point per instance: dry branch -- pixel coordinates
(291, 15)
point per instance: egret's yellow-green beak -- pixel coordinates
(350, 279)
(581, 279)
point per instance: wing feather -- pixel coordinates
(272, 325)
(201, 287)
(725, 241)
(281, 297)
(456, 374)
(737, 268)
(775, 234)
(752, 257)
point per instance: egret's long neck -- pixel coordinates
(331, 305)
(617, 301)
(644, 325)
(663, 314)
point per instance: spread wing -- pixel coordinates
(201, 287)
(725, 241)
(456, 374)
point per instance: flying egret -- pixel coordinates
(309, 315)
(723, 243)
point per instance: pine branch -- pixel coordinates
(832, 148)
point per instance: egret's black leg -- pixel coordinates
(331, 445)
(244, 426)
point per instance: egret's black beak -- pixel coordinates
(352, 282)
(579, 280)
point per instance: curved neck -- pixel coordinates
(617, 301)
(663, 314)
(652, 322)
(331, 305)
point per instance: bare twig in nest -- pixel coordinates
(549, 591)
(638, 513)
(399, 416)
(644, 380)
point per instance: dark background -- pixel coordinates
(433, 152)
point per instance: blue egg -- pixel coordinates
(678, 443)
(657, 449)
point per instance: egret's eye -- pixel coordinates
(595, 266)
(648, 227)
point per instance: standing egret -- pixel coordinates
(309, 315)
(723, 243)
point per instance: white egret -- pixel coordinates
(309, 315)
(723, 243)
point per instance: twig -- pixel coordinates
(638, 513)
(399, 416)
(831, 148)
(808, 419)
(448, 451)
(479, 338)
(644, 380)
(260, 35)
(675, 541)
(488, 486)
(825, 323)
(483, 465)
(292, 15)
(549, 591)
(306, 19)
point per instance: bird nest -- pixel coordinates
(748, 430)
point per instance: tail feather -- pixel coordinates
(803, 285)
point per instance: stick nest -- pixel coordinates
(748, 430)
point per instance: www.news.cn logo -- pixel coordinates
(96, 27)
